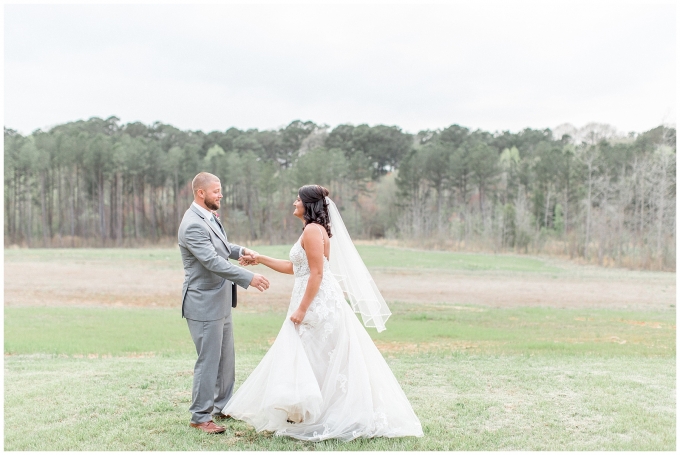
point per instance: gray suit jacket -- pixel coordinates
(208, 274)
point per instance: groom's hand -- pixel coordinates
(260, 282)
(249, 252)
(249, 257)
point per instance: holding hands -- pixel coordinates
(249, 257)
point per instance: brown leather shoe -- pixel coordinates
(221, 416)
(209, 427)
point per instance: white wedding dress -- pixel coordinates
(326, 375)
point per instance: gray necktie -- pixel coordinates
(217, 225)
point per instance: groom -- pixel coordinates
(207, 300)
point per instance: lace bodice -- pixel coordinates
(324, 310)
(298, 257)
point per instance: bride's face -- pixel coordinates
(299, 208)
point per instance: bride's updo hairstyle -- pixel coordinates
(313, 198)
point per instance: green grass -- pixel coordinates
(116, 332)
(546, 331)
(164, 257)
(479, 379)
(465, 402)
(379, 256)
(422, 328)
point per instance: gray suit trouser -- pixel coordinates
(214, 372)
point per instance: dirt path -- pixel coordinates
(96, 283)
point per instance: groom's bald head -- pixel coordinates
(202, 181)
(207, 191)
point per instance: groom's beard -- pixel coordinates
(212, 205)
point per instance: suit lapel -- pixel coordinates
(222, 231)
(212, 227)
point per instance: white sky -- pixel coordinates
(495, 66)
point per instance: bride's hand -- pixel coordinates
(251, 258)
(244, 261)
(298, 316)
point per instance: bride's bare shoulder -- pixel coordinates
(314, 228)
(312, 233)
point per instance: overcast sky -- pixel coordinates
(494, 66)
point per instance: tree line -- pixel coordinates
(589, 193)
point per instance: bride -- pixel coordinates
(323, 377)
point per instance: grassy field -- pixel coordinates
(479, 376)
